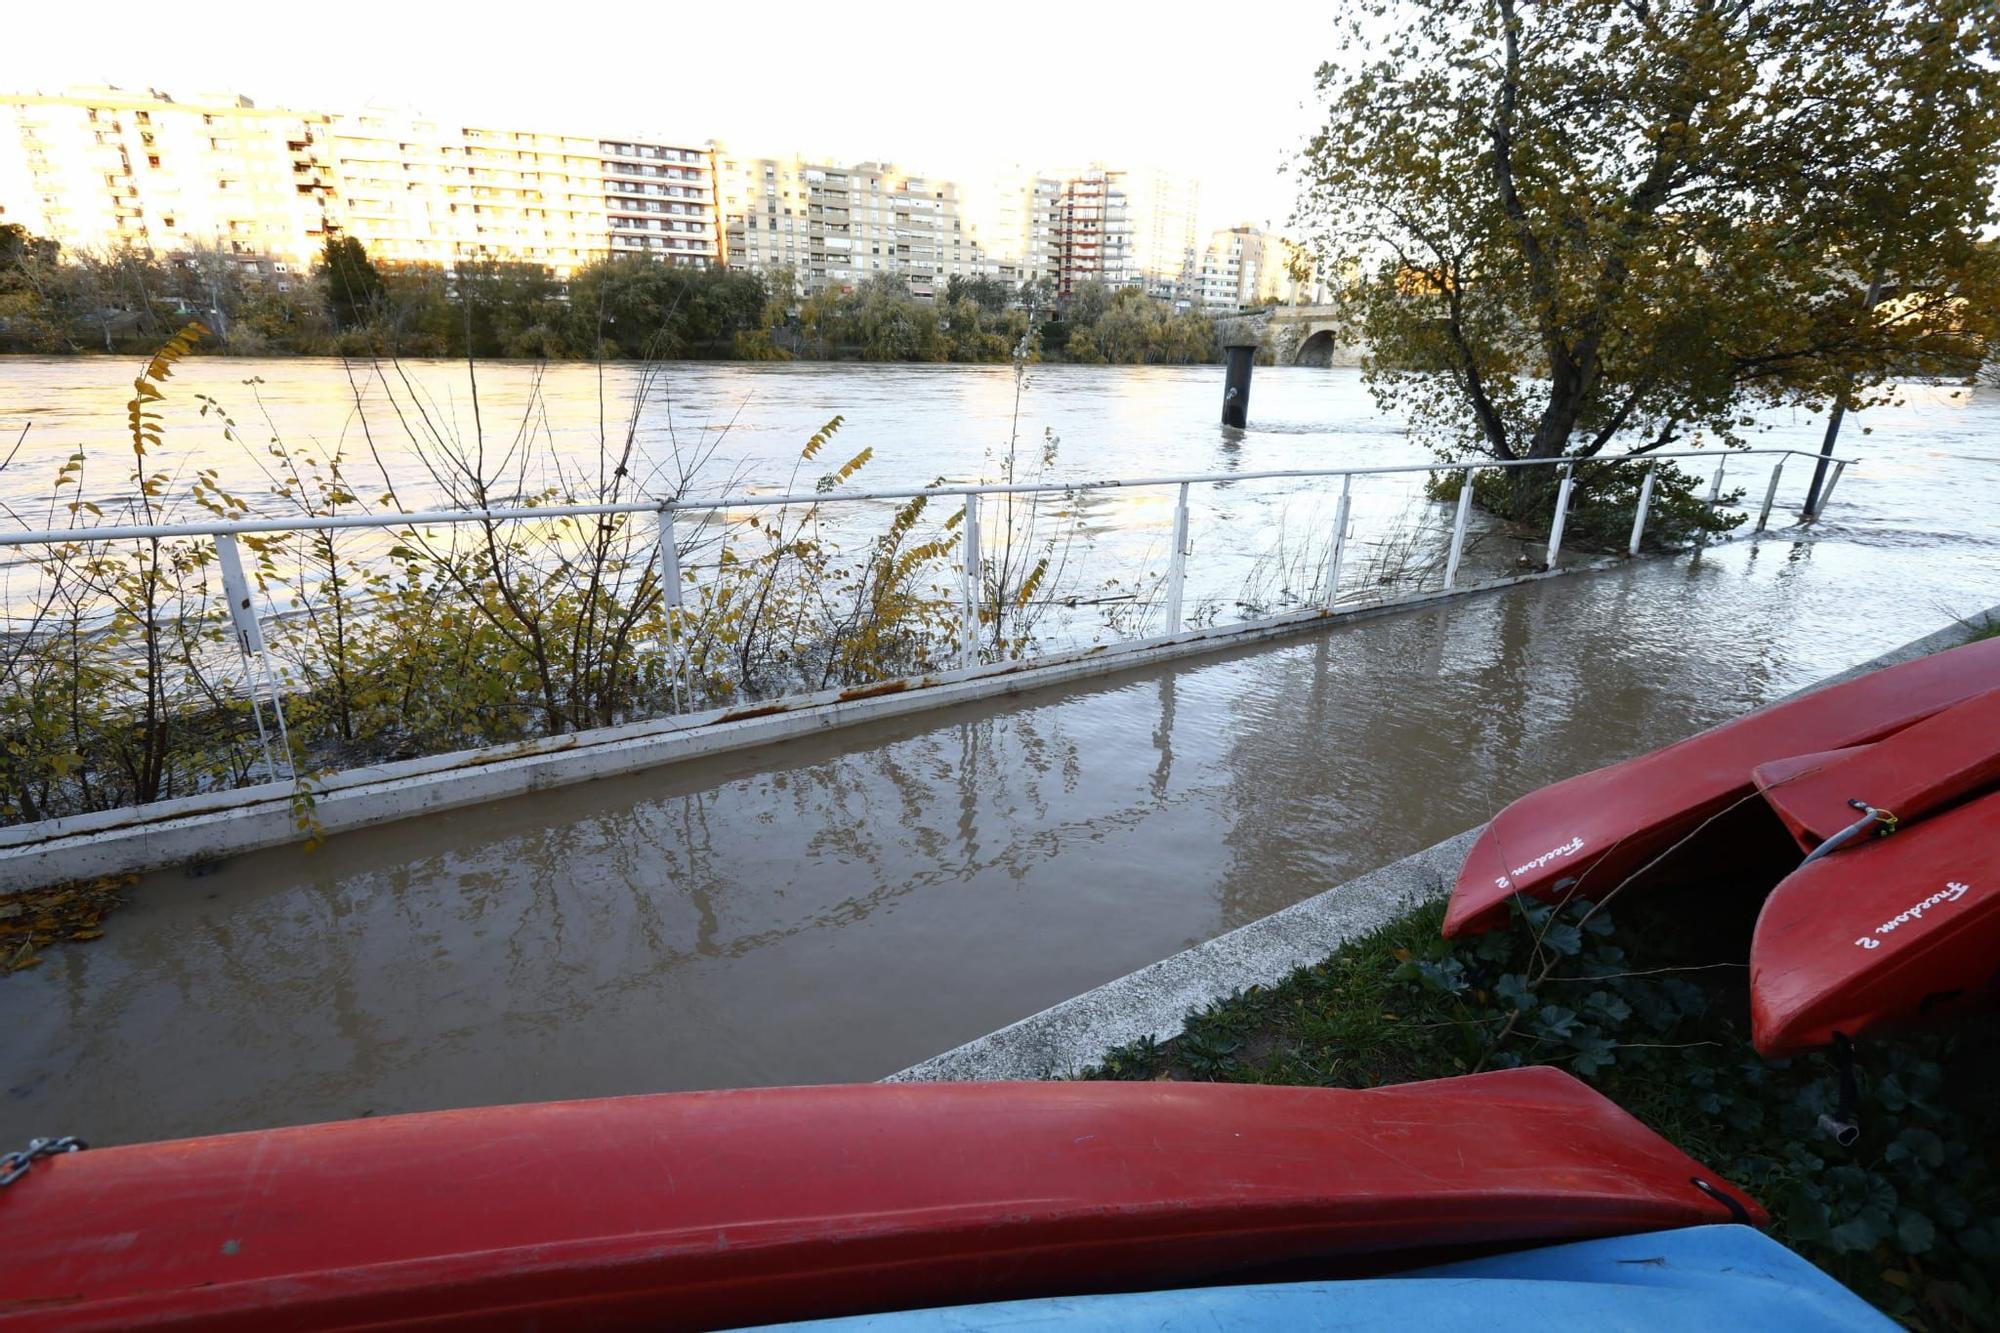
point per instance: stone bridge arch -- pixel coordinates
(1306, 336)
(1318, 345)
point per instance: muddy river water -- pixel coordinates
(839, 907)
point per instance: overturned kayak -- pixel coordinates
(1881, 935)
(1698, 1279)
(1589, 834)
(1909, 775)
(704, 1210)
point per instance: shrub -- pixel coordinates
(1602, 503)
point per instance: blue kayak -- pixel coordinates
(1699, 1279)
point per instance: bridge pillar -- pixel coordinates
(1236, 384)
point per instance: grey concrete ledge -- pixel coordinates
(1156, 1000)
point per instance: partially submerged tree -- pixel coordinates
(1605, 227)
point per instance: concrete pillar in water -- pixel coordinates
(1236, 385)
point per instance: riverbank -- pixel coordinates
(618, 307)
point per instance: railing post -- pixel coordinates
(969, 634)
(1770, 496)
(1645, 504)
(1458, 527)
(1562, 515)
(667, 560)
(250, 642)
(1177, 565)
(1839, 466)
(1339, 542)
(1715, 487)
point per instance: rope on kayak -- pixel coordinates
(1882, 822)
(1737, 1212)
(14, 1165)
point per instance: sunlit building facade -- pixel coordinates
(415, 190)
(838, 226)
(1245, 267)
(107, 170)
(660, 200)
(1127, 228)
(1017, 219)
(103, 169)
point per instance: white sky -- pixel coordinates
(955, 90)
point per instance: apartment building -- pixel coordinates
(1017, 218)
(105, 169)
(1164, 252)
(1127, 228)
(1245, 267)
(837, 226)
(417, 190)
(660, 199)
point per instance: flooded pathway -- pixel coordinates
(838, 908)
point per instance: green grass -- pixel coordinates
(1907, 1218)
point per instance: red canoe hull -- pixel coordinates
(1881, 935)
(1590, 833)
(703, 1210)
(1921, 769)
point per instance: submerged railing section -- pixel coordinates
(142, 658)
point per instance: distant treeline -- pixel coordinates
(620, 307)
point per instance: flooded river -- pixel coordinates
(839, 907)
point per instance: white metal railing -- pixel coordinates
(400, 518)
(666, 511)
(666, 550)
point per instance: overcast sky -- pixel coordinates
(1219, 92)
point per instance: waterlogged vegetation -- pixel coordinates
(1604, 499)
(127, 682)
(619, 307)
(1601, 230)
(1658, 1020)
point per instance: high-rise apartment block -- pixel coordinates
(103, 169)
(106, 169)
(838, 226)
(416, 190)
(1017, 218)
(661, 198)
(1245, 267)
(1127, 228)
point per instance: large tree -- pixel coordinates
(1575, 227)
(354, 290)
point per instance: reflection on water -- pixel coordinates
(839, 907)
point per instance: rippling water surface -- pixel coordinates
(838, 907)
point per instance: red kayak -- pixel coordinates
(1881, 934)
(1589, 834)
(703, 1210)
(1920, 769)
